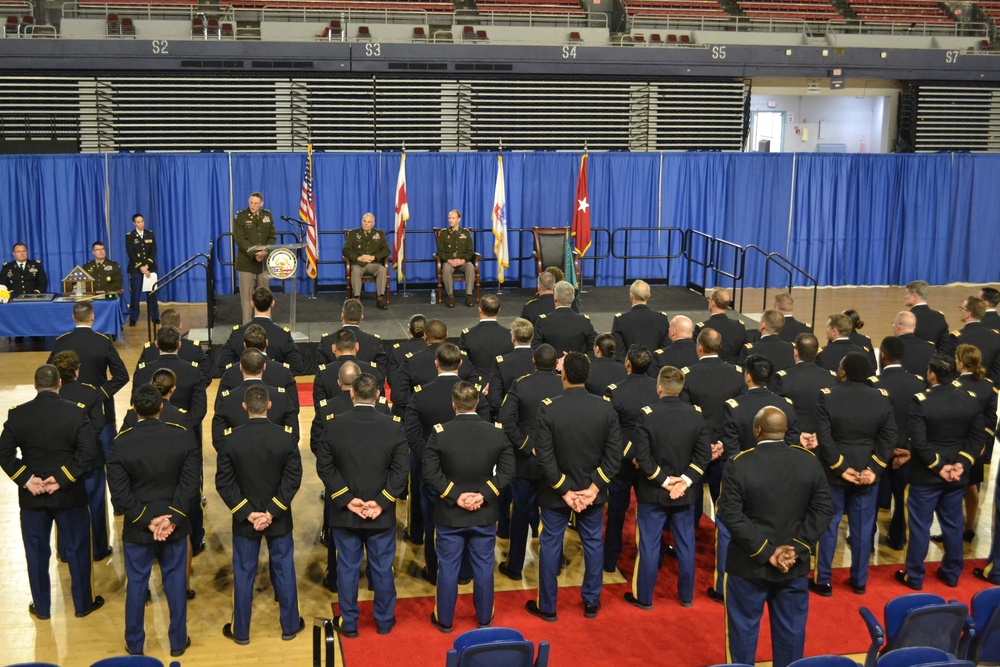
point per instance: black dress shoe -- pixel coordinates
(980, 573)
(197, 549)
(387, 628)
(104, 556)
(937, 538)
(632, 600)
(227, 632)
(715, 595)
(669, 551)
(288, 636)
(969, 535)
(451, 300)
(944, 578)
(487, 624)
(426, 576)
(381, 302)
(416, 541)
(190, 594)
(505, 571)
(532, 608)
(178, 652)
(900, 576)
(469, 302)
(94, 606)
(446, 629)
(857, 590)
(896, 546)
(687, 603)
(463, 581)
(327, 586)
(131, 324)
(338, 626)
(34, 612)
(590, 610)
(823, 590)
(149, 596)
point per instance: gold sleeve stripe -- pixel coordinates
(68, 476)
(627, 447)
(279, 503)
(140, 514)
(603, 476)
(936, 459)
(972, 460)
(655, 474)
(808, 548)
(237, 508)
(559, 483)
(337, 494)
(837, 464)
(448, 490)
(990, 431)
(878, 461)
(524, 443)
(386, 494)
(700, 471)
(171, 507)
(756, 553)
(18, 473)
(490, 484)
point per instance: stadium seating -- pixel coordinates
(985, 646)
(991, 8)
(680, 9)
(900, 11)
(360, 6)
(496, 646)
(917, 619)
(571, 7)
(790, 10)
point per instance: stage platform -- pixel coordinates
(320, 315)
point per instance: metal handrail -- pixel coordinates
(712, 259)
(670, 256)
(783, 263)
(180, 270)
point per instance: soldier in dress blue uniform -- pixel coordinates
(190, 350)
(776, 502)
(367, 248)
(672, 450)
(771, 345)
(276, 374)
(455, 250)
(141, 247)
(681, 352)
(362, 463)
(23, 275)
(733, 331)
(370, 346)
(605, 369)
(562, 328)
(259, 472)
(802, 382)
(785, 304)
(579, 447)
(467, 464)
(991, 295)
(918, 352)
(946, 435)
(931, 324)
(280, 345)
(415, 343)
(838, 337)
(509, 367)
(976, 333)
(154, 472)
(107, 274)
(487, 340)
(57, 448)
(640, 325)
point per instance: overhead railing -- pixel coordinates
(777, 261)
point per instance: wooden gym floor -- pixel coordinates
(73, 642)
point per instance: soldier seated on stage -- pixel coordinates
(23, 275)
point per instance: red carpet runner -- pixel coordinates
(622, 635)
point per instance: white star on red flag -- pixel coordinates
(583, 205)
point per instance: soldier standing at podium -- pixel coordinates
(253, 226)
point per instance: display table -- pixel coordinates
(48, 318)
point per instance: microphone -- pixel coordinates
(296, 221)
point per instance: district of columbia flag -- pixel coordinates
(500, 222)
(307, 212)
(402, 215)
(581, 211)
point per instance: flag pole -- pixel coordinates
(579, 278)
(500, 151)
(406, 295)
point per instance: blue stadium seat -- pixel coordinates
(951, 663)
(911, 656)
(918, 619)
(824, 661)
(496, 647)
(985, 646)
(129, 661)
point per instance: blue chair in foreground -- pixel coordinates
(985, 646)
(130, 661)
(824, 661)
(951, 663)
(496, 647)
(913, 656)
(33, 664)
(918, 619)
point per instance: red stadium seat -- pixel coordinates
(12, 26)
(419, 34)
(468, 33)
(575, 37)
(481, 36)
(226, 30)
(671, 39)
(127, 27)
(113, 25)
(638, 39)
(197, 27)
(685, 39)
(656, 39)
(364, 33)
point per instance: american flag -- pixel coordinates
(307, 212)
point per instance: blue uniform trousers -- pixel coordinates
(787, 608)
(135, 292)
(524, 496)
(503, 523)
(381, 548)
(921, 503)
(95, 483)
(898, 480)
(479, 543)
(650, 520)
(589, 524)
(992, 567)
(722, 539)
(172, 557)
(74, 530)
(619, 499)
(861, 505)
(414, 508)
(281, 559)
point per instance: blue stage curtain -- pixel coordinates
(971, 234)
(548, 199)
(55, 205)
(184, 200)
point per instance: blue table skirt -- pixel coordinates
(54, 319)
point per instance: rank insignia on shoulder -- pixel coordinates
(788, 400)
(685, 370)
(612, 386)
(330, 416)
(327, 334)
(377, 336)
(439, 428)
(825, 390)
(499, 358)
(498, 425)
(478, 387)
(409, 354)
(196, 343)
(464, 353)
(873, 379)
(81, 406)
(956, 383)
(782, 373)
(587, 316)
(748, 346)
(286, 365)
(606, 398)
(883, 392)
(618, 314)
(742, 322)
(288, 429)
(225, 392)
(921, 396)
(739, 368)
(648, 410)
(147, 344)
(731, 402)
(236, 327)
(956, 333)
(381, 400)
(546, 401)
(322, 367)
(395, 346)
(182, 411)
(227, 431)
(287, 330)
(419, 388)
(322, 403)
(142, 364)
(396, 418)
(541, 317)
(281, 390)
(194, 364)
(228, 366)
(664, 314)
(972, 394)
(465, 330)
(697, 407)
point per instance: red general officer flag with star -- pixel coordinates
(581, 212)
